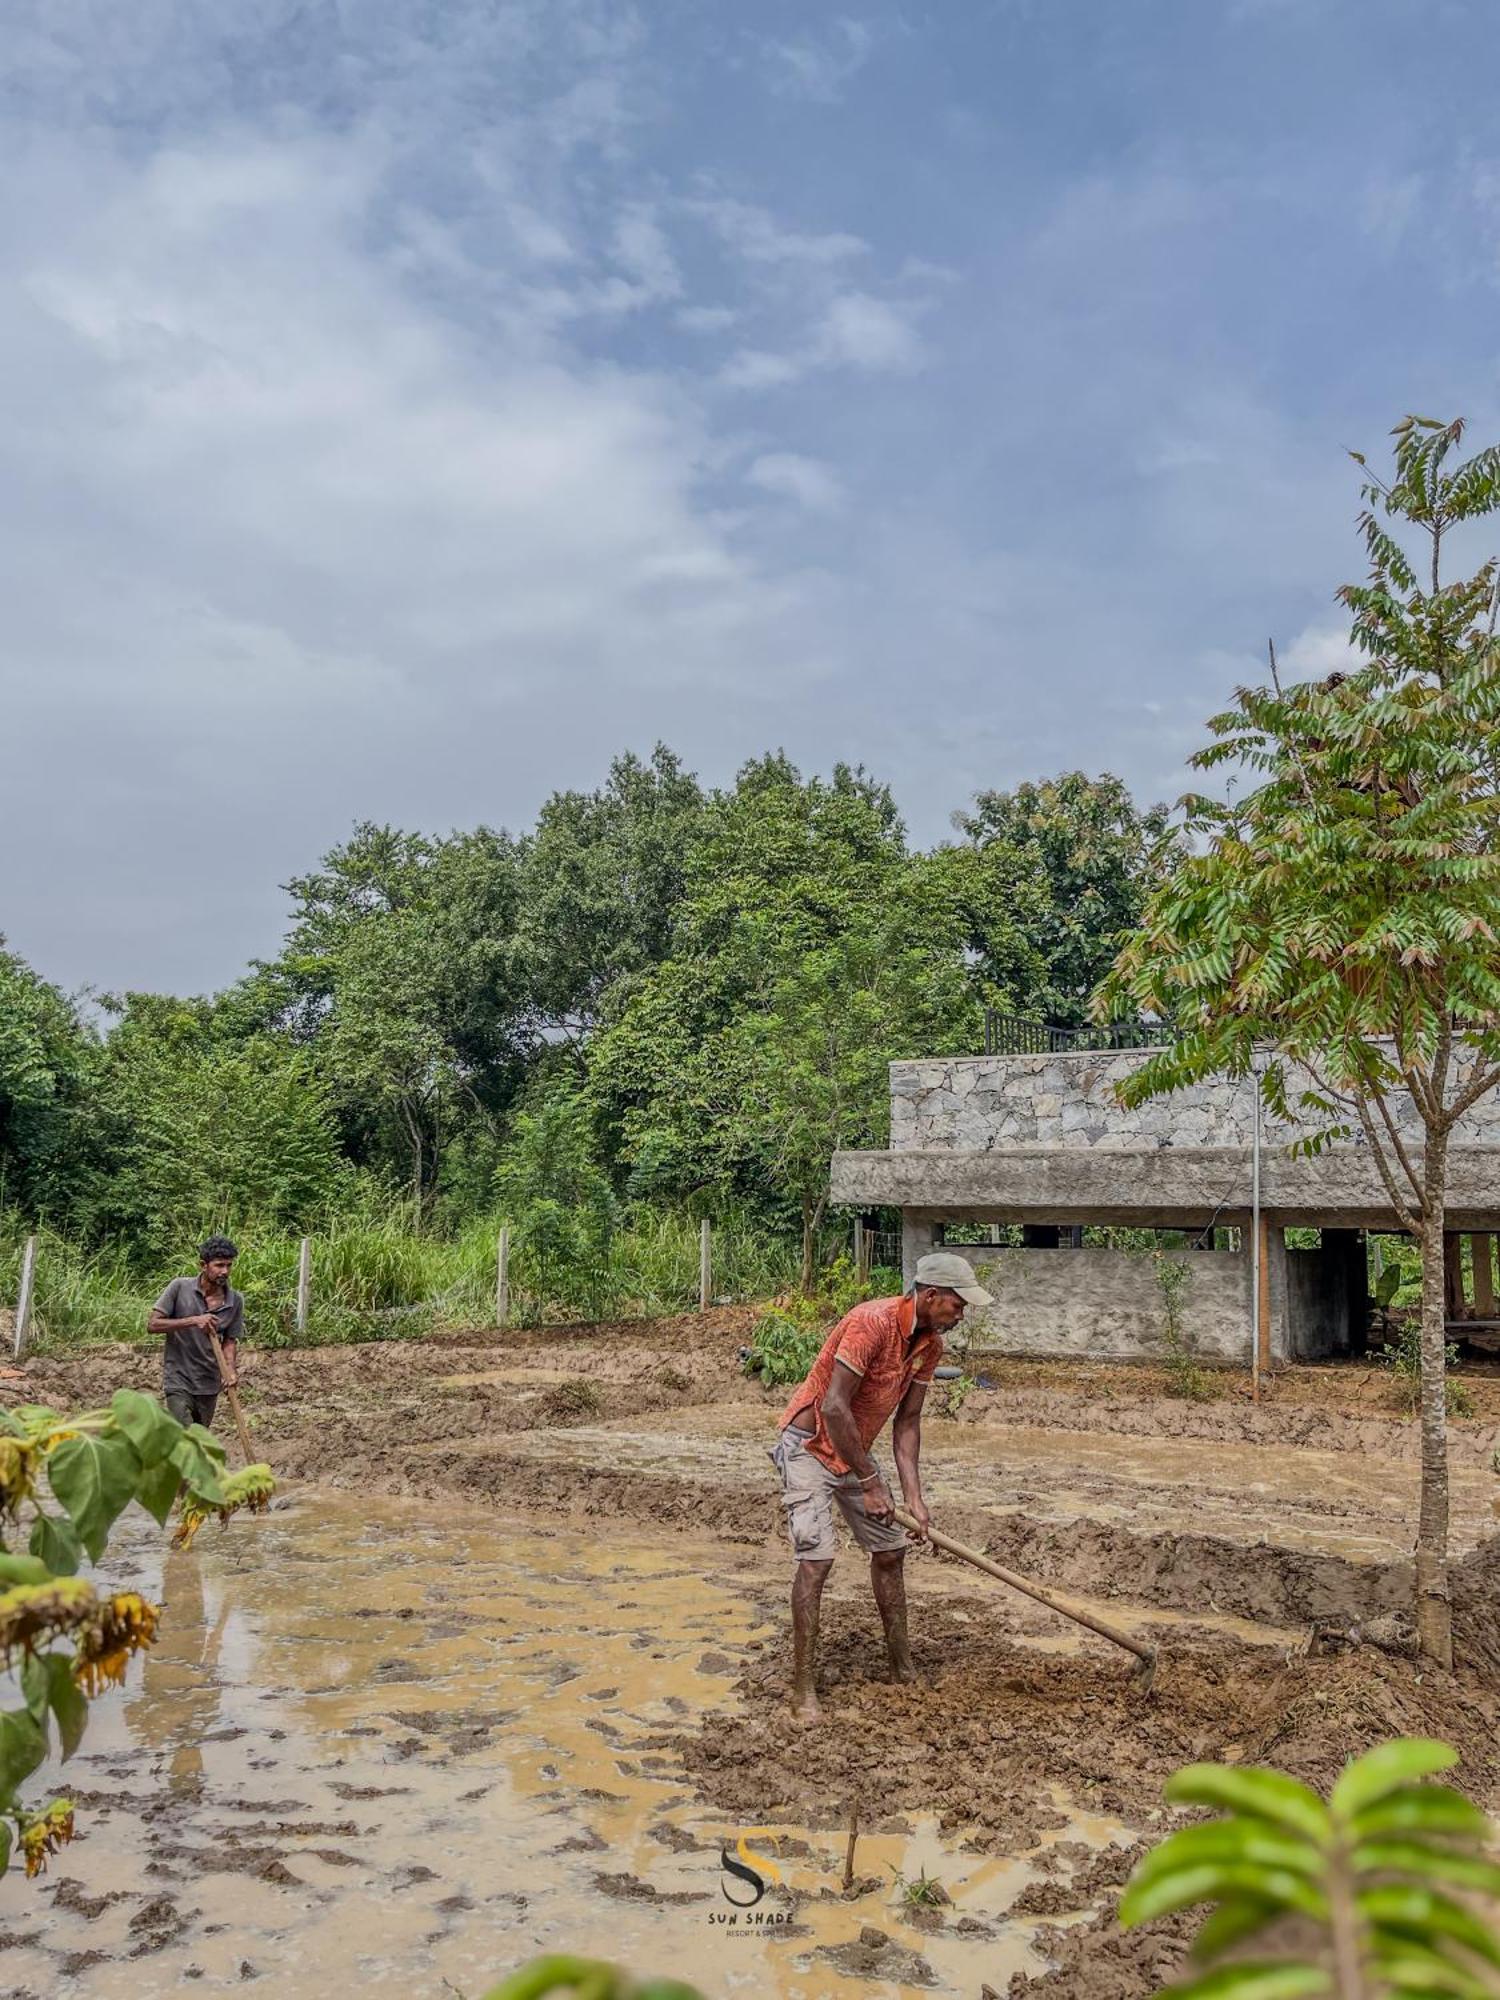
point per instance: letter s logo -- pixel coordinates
(752, 1869)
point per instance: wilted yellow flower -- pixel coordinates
(121, 1626)
(18, 1463)
(250, 1488)
(45, 1833)
(32, 1611)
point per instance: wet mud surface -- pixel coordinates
(523, 1704)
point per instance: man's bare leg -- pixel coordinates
(888, 1581)
(807, 1597)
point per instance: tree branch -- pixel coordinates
(1418, 1187)
(1404, 1215)
(1470, 1097)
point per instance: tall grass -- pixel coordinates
(377, 1275)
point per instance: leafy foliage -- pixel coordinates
(1078, 857)
(1385, 1876)
(66, 1639)
(572, 1978)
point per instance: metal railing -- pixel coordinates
(1009, 1035)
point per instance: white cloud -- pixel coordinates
(807, 481)
(756, 235)
(705, 319)
(1316, 652)
(819, 67)
(758, 368)
(868, 333)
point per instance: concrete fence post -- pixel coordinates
(502, 1278)
(23, 1298)
(705, 1265)
(304, 1283)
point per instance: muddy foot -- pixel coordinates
(805, 1707)
(905, 1672)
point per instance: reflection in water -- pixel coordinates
(178, 1699)
(403, 1751)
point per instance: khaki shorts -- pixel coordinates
(809, 1492)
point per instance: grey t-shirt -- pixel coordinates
(189, 1365)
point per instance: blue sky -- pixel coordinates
(404, 407)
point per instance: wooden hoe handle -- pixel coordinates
(234, 1396)
(1143, 1652)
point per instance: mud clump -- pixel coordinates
(873, 1955)
(1099, 1961)
(570, 1402)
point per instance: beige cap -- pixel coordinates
(952, 1274)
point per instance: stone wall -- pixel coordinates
(976, 1103)
(1107, 1303)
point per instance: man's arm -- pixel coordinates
(164, 1318)
(839, 1419)
(906, 1442)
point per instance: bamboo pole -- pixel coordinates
(705, 1265)
(502, 1278)
(304, 1283)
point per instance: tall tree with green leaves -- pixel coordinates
(48, 1062)
(1077, 858)
(402, 976)
(1345, 913)
(601, 880)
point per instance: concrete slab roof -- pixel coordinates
(1154, 1185)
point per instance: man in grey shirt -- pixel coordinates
(190, 1377)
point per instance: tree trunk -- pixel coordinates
(1434, 1612)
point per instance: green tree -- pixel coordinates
(402, 977)
(1346, 912)
(601, 881)
(196, 1129)
(1080, 858)
(48, 1060)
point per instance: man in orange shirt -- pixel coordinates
(879, 1359)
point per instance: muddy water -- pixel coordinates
(404, 1748)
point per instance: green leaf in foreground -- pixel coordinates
(158, 1491)
(56, 1542)
(1386, 1768)
(48, 1684)
(23, 1745)
(95, 1479)
(151, 1429)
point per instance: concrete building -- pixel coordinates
(1042, 1141)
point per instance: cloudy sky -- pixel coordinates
(407, 404)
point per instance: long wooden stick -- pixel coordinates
(233, 1394)
(1145, 1653)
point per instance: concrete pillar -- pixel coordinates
(918, 1234)
(1276, 1283)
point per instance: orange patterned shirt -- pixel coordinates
(875, 1340)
